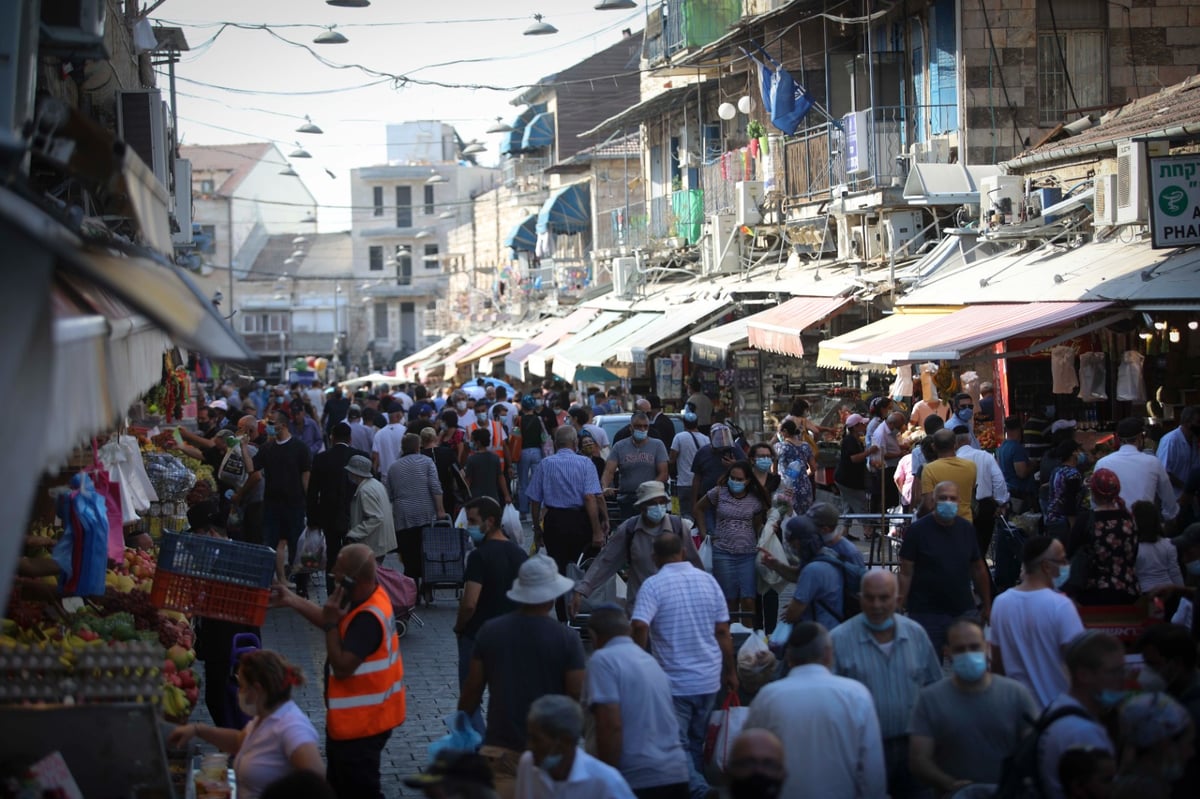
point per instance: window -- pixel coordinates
(381, 320)
(429, 204)
(206, 242)
(377, 199)
(265, 322)
(375, 259)
(431, 256)
(208, 186)
(1071, 56)
(403, 265)
(404, 214)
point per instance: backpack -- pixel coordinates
(852, 575)
(1020, 775)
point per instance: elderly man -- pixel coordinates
(1142, 475)
(416, 493)
(756, 768)
(964, 726)
(550, 660)
(632, 545)
(370, 511)
(1179, 451)
(364, 694)
(892, 656)
(556, 767)
(991, 489)
(888, 453)
(938, 552)
(634, 460)
(949, 467)
(1032, 624)
(827, 723)
(629, 696)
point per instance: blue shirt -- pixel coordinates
(309, 432)
(819, 589)
(846, 550)
(1178, 457)
(563, 480)
(1010, 453)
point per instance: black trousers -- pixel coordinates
(567, 533)
(334, 539)
(677, 790)
(408, 544)
(985, 522)
(353, 770)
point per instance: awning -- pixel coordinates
(487, 363)
(514, 363)
(512, 141)
(665, 330)
(954, 336)
(664, 102)
(439, 347)
(778, 329)
(569, 210)
(538, 361)
(523, 236)
(945, 184)
(539, 132)
(830, 352)
(595, 350)
(713, 347)
(484, 345)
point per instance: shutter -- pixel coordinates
(945, 64)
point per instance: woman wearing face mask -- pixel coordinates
(279, 738)
(793, 448)
(1157, 741)
(1066, 491)
(763, 461)
(741, 507)
(1107, 531)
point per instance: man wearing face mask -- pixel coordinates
(283, 464)
(756, 767)
(635, 460)
(1096, 666)
(555, 765)
(964, 413)
(964, 726)
(938, 551)
(892, 656)
(492, 567)
(632, 545)
(370, 510)
(684, 447)
(1032, 624)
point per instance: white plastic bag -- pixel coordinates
(756, 664)
(510, 523)
(461, 519)
(310, 552)
(768, 540)
(1093, 376)
(706, 553)
(724, 726)
(1130, 385)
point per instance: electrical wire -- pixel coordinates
(999, 69)
(1062, 58)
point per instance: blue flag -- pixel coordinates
(789, 102)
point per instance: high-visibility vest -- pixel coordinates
(499, 440)
(372, 700)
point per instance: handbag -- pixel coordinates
(724, 726)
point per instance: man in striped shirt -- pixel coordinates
(682, 612)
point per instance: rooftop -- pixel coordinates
(236, 159)
(326, 255)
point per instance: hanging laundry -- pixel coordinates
(1062, 370)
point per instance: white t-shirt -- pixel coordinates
(1157, 565)
(590, 778)
(687, 444)
(387, 445)
(267, 749)
(316, 398)
(1030, 628)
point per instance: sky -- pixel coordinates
(238, 84)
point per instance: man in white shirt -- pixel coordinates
(1142, 475)
(827, 723)
(991, 489)
(683, 448)
(682, 613)
(1096, 664)
(316, 397)
(1032, 624)
(386, 446)
(555, 766)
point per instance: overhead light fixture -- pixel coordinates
(726, 111)
(540, 28)
(309, 219)
(1173, 335)
(348, 3)
(330, 36)
(435, 178)
(289, 261)
(500, 127)
(1193, 325)
(446, 215)
(615, 5)
(300, 152)
(745, 104)
(299, 240)
(287, 170)
(298, 254)
(421, 234)
(474, 148)
(308, 126)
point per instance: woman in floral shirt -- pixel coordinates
(1108, 531)
(1066, 492)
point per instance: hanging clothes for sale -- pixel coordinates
(1062, 370)
(902, 386)
(1131, 386)
(82, 552)
(1093, 377)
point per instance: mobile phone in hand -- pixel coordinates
(347, 585)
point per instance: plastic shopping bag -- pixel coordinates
(779, 636)
(724, 726)
(510, 523)
(756, 665)
(310, 552)
(769, 541)
(461, 519)
(706, 553)
(462, 736)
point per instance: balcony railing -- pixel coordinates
(688, 24)
(525, 174)
(637, 225)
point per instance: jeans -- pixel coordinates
(692, 713)
(685, 500)
(353, 770)
(736, 574)
(530, 458)
(466, 647)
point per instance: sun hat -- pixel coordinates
(650, 490)
(855, 419)
(359, 466)
(538, 581)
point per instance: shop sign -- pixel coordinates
(1175, 201)
(855, 126)
(709, 355)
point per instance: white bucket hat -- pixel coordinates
(359, 466)
(538, 581)
(651, 489)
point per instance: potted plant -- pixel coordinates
(756, 130)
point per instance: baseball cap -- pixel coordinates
(855, 419)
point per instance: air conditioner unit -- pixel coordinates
(1105, 204)
(933, 151)
(865, 242)
(142, 124)
(1000, 199)
(1133, 181)
(747, 196)
(183, 203)
(624, 275)
(74, 28)
(901, 229)
(18, 73)
(721, 254)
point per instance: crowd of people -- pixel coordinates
(933, 679)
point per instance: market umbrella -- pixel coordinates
(594, 374)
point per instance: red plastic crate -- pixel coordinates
(211, 599)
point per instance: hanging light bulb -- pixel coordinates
(726, 111)
(500, 127)
(540, 28)
(1174, 335)
(745, 104)
(435, 178)
(299, 240)
(1193, 325)
(1160, 325)
(289, 172)
(446, 215)
(474, 148)
(330, 36)
(308, 126)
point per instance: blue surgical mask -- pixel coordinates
(763, 464)
(475, 533)
(946, 510)
(1193, 568)
(640, 435)
(969, 666)
(551, 762)
(882, 626)
(270, 429)
(735, 486)
(1110, 699)
(1064, 574)
(688, 416)
(965, 414)
(656, 512)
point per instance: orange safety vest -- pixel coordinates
(499, 440)
(372, 700)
